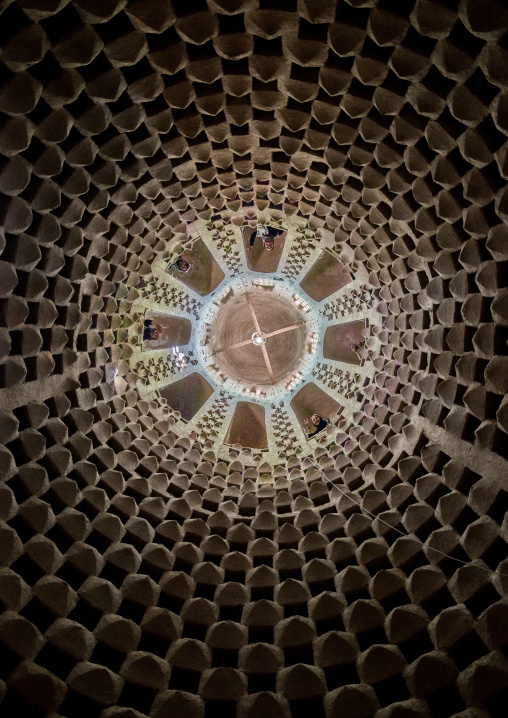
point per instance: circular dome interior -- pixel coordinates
(175, 537)
(237, 322)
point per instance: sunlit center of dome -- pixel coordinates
(258, 339)
(248, 317)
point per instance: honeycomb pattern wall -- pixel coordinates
(364, 575)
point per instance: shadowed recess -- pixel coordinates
(204, 274)
(258, 258)
(311, 399)
(187, 395)
(325, 277)
(248, 426)
(340, 339)
(176, 331)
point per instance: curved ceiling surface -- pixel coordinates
(176, 539)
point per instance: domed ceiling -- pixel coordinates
(172, 540)
(270, 332)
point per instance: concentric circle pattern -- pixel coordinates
(172, 541)
(234, 325)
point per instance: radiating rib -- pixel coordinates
(267, 362)
(265, 336)
(256, 323)
(284, 329)
(233, 346)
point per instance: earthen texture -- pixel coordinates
(141, 575)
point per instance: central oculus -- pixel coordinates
(258, 339)
(260, 318)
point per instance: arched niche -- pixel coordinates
(248, 426)
(260, 260)
(326, 276)
(340, 339)
(187, 395)
(205, 274)
(311, 399)
(176, 331)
